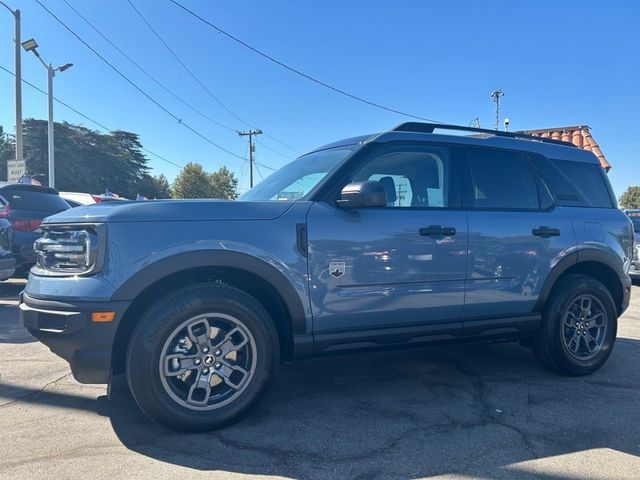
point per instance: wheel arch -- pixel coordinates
(591, 262)
(249, 274)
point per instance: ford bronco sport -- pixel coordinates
(403, 238)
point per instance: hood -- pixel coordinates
(171, 210)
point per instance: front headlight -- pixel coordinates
(67, 250)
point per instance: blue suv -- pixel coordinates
(397, 239)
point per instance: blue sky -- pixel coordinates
(559, 63)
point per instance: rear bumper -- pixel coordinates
(7, 267)
(23, 250)
(67, 329)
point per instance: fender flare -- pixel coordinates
(156, 271)
(574, 258)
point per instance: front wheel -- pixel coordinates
(200, 357)
(579, 327)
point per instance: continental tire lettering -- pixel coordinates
(155, 334)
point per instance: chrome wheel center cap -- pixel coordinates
(208, 360)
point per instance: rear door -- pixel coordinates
(515, 237)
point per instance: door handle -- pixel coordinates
(546, 232)
(437, 230)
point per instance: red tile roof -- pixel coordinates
(579, 135)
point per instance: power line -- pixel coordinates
(194, 76)
(265, 166)
(160, 84)
(145, 72)
(298, 72)
(259, 172)
(95, 122)
(149, 97)
(273, 149)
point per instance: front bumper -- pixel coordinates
(67, 329)
(626, 293)
(634, 269)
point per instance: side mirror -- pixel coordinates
(363, 194)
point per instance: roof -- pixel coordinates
(579, 135)
(522, 141)
(26, 186)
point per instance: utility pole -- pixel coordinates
(18, 73)
(401, 192)
(496, 94)
(252, 149)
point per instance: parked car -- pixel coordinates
(634, 270)
(396, 239)
(7, 262)
(75, 199)
(25, 206)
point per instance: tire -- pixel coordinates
(562, 344)
(179, 381)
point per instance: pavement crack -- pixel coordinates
(37, 392)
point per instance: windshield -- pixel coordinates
(296, 179)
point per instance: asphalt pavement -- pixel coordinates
(489, 412)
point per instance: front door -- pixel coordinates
(394, 266)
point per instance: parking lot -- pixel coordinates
(463, 412)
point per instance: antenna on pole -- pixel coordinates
(496, 94)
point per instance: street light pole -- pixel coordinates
(31, 46)
(52, 170)
(18, 72)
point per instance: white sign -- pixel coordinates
(15, 170)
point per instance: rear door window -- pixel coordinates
(47, 203)
(501, 180)
(575, 184)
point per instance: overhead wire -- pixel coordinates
(145, 72)
(160, 84)
(195, 77)
(298, 72)
(87, 117)
(138, 88)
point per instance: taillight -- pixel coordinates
(96, 198)
(25, 225)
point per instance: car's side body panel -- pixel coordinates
(388, 274)
(508, 265)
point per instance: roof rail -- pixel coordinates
(421, 127)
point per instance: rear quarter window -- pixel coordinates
(47, 203)
(575, 184)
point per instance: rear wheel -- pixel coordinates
(200, 357)
(579, 327)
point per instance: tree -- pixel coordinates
(630, 199)
(224, 184)
(154, 186)
(7, 152)
(88, 160)
(192, 182)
